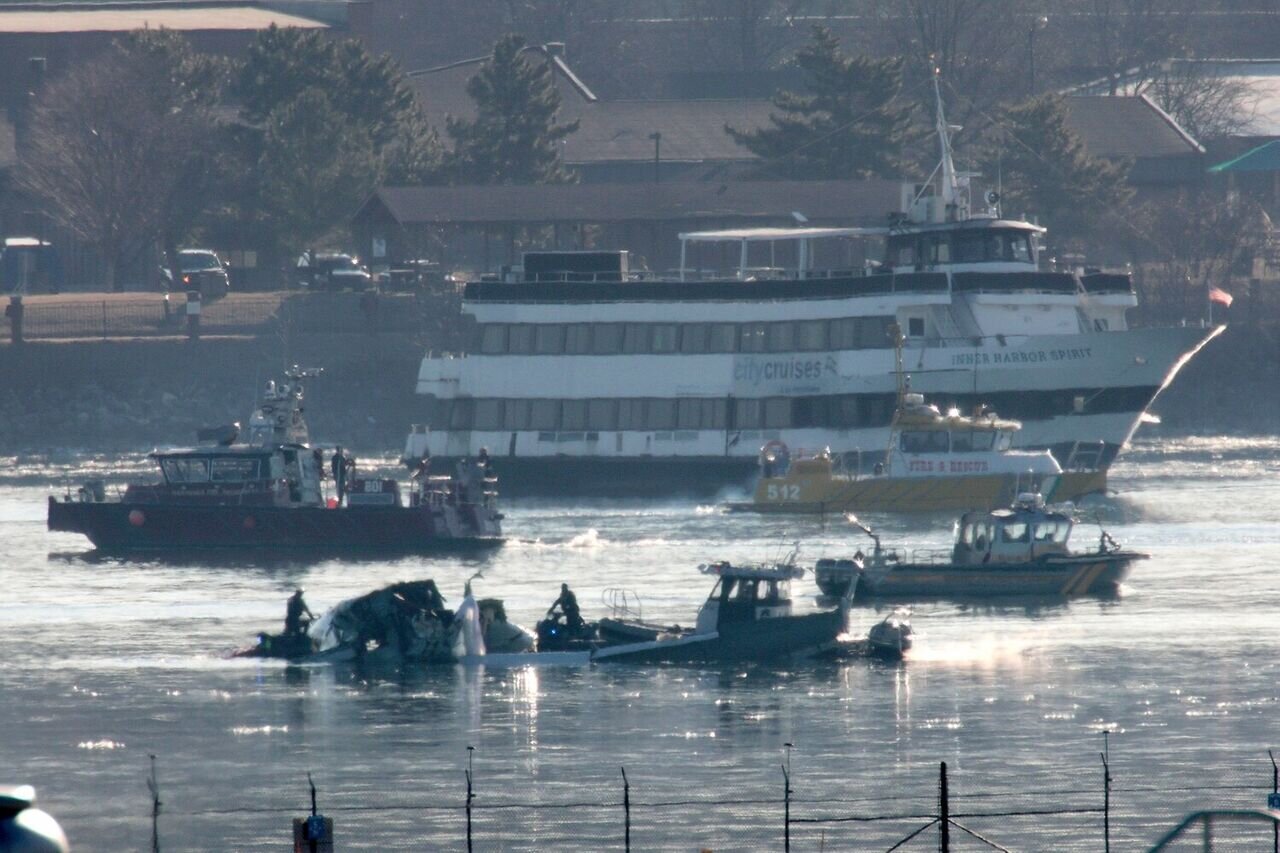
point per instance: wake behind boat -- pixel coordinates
(270, 492)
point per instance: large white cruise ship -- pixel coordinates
(583, 374)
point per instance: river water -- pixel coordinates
(107, 661)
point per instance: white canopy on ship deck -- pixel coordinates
(747, 236)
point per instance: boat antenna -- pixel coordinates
(950, 183)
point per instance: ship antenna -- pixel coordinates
(950, 183)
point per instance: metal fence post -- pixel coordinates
(153, 785)
(1275, 791)
(626, 812)
(1106, 793)
(944, 812)
(470, 795)
(786, 800)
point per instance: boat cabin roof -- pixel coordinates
(756, 235)
(974, 223)
(913, 413)
(223, 450)
(778, 572)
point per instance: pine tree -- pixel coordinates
(850, 122)
(514, 137)
(325, 124)
(1046, 171)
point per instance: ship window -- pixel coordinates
(545, 414)
(938, 248)
(1004, 441)
(460, 415)
(549, 339)
(902, 251)
(635, 338)
(488, 414)
(924, 441)
(721, 337)
(606, 338)
(752, 338)
(493, 338)
(573, 415)
(873, 332)
(688, 414)
(877, 412)
(969, 442)
(844, 333)
(966, 534)
(1045, 531)
(693, 338)
(631, 414)
(915, 327)
(520, 338)
(782, 337)
(186, 470)
(577, 338)
(515, 414)
(846, 411)
(234, 470)
(1016, 531)
(747, 414)
(664, 337)
(661, 414)
(777, 413)
(968, 247)
(602, 414)
(1019, 246)
(811, 335)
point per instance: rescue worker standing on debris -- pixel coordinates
(568, 604)
(293, 623)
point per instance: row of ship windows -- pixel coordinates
(839, 412)
(689, 338)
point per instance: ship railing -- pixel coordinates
(932, 556)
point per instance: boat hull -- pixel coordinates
(129, 526)
(764, 639)
(1054, 577)
(913, 494)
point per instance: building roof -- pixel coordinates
(1264, 158)
(1127, 126)
(692, 131)
(845, 202)
(56, 18)
(1259, 80)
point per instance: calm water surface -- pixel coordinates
(107, 661)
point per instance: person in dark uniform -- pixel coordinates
(568, 604)
(338, 465)
(294, 610)
(485, 464)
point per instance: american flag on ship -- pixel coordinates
(1217, 294)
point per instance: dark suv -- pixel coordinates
(202, 270)
(333, 271)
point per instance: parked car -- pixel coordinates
(332, 271)
(202, 270)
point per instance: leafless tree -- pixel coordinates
(111, 148)
(1206, 104)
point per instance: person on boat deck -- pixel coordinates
(485, 464)
(339, 468)
(568, 604)
(293, 622)
(422, 467)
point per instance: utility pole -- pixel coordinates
(786, 800)
(470, 795)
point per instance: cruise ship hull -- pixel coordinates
(1080, 396)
